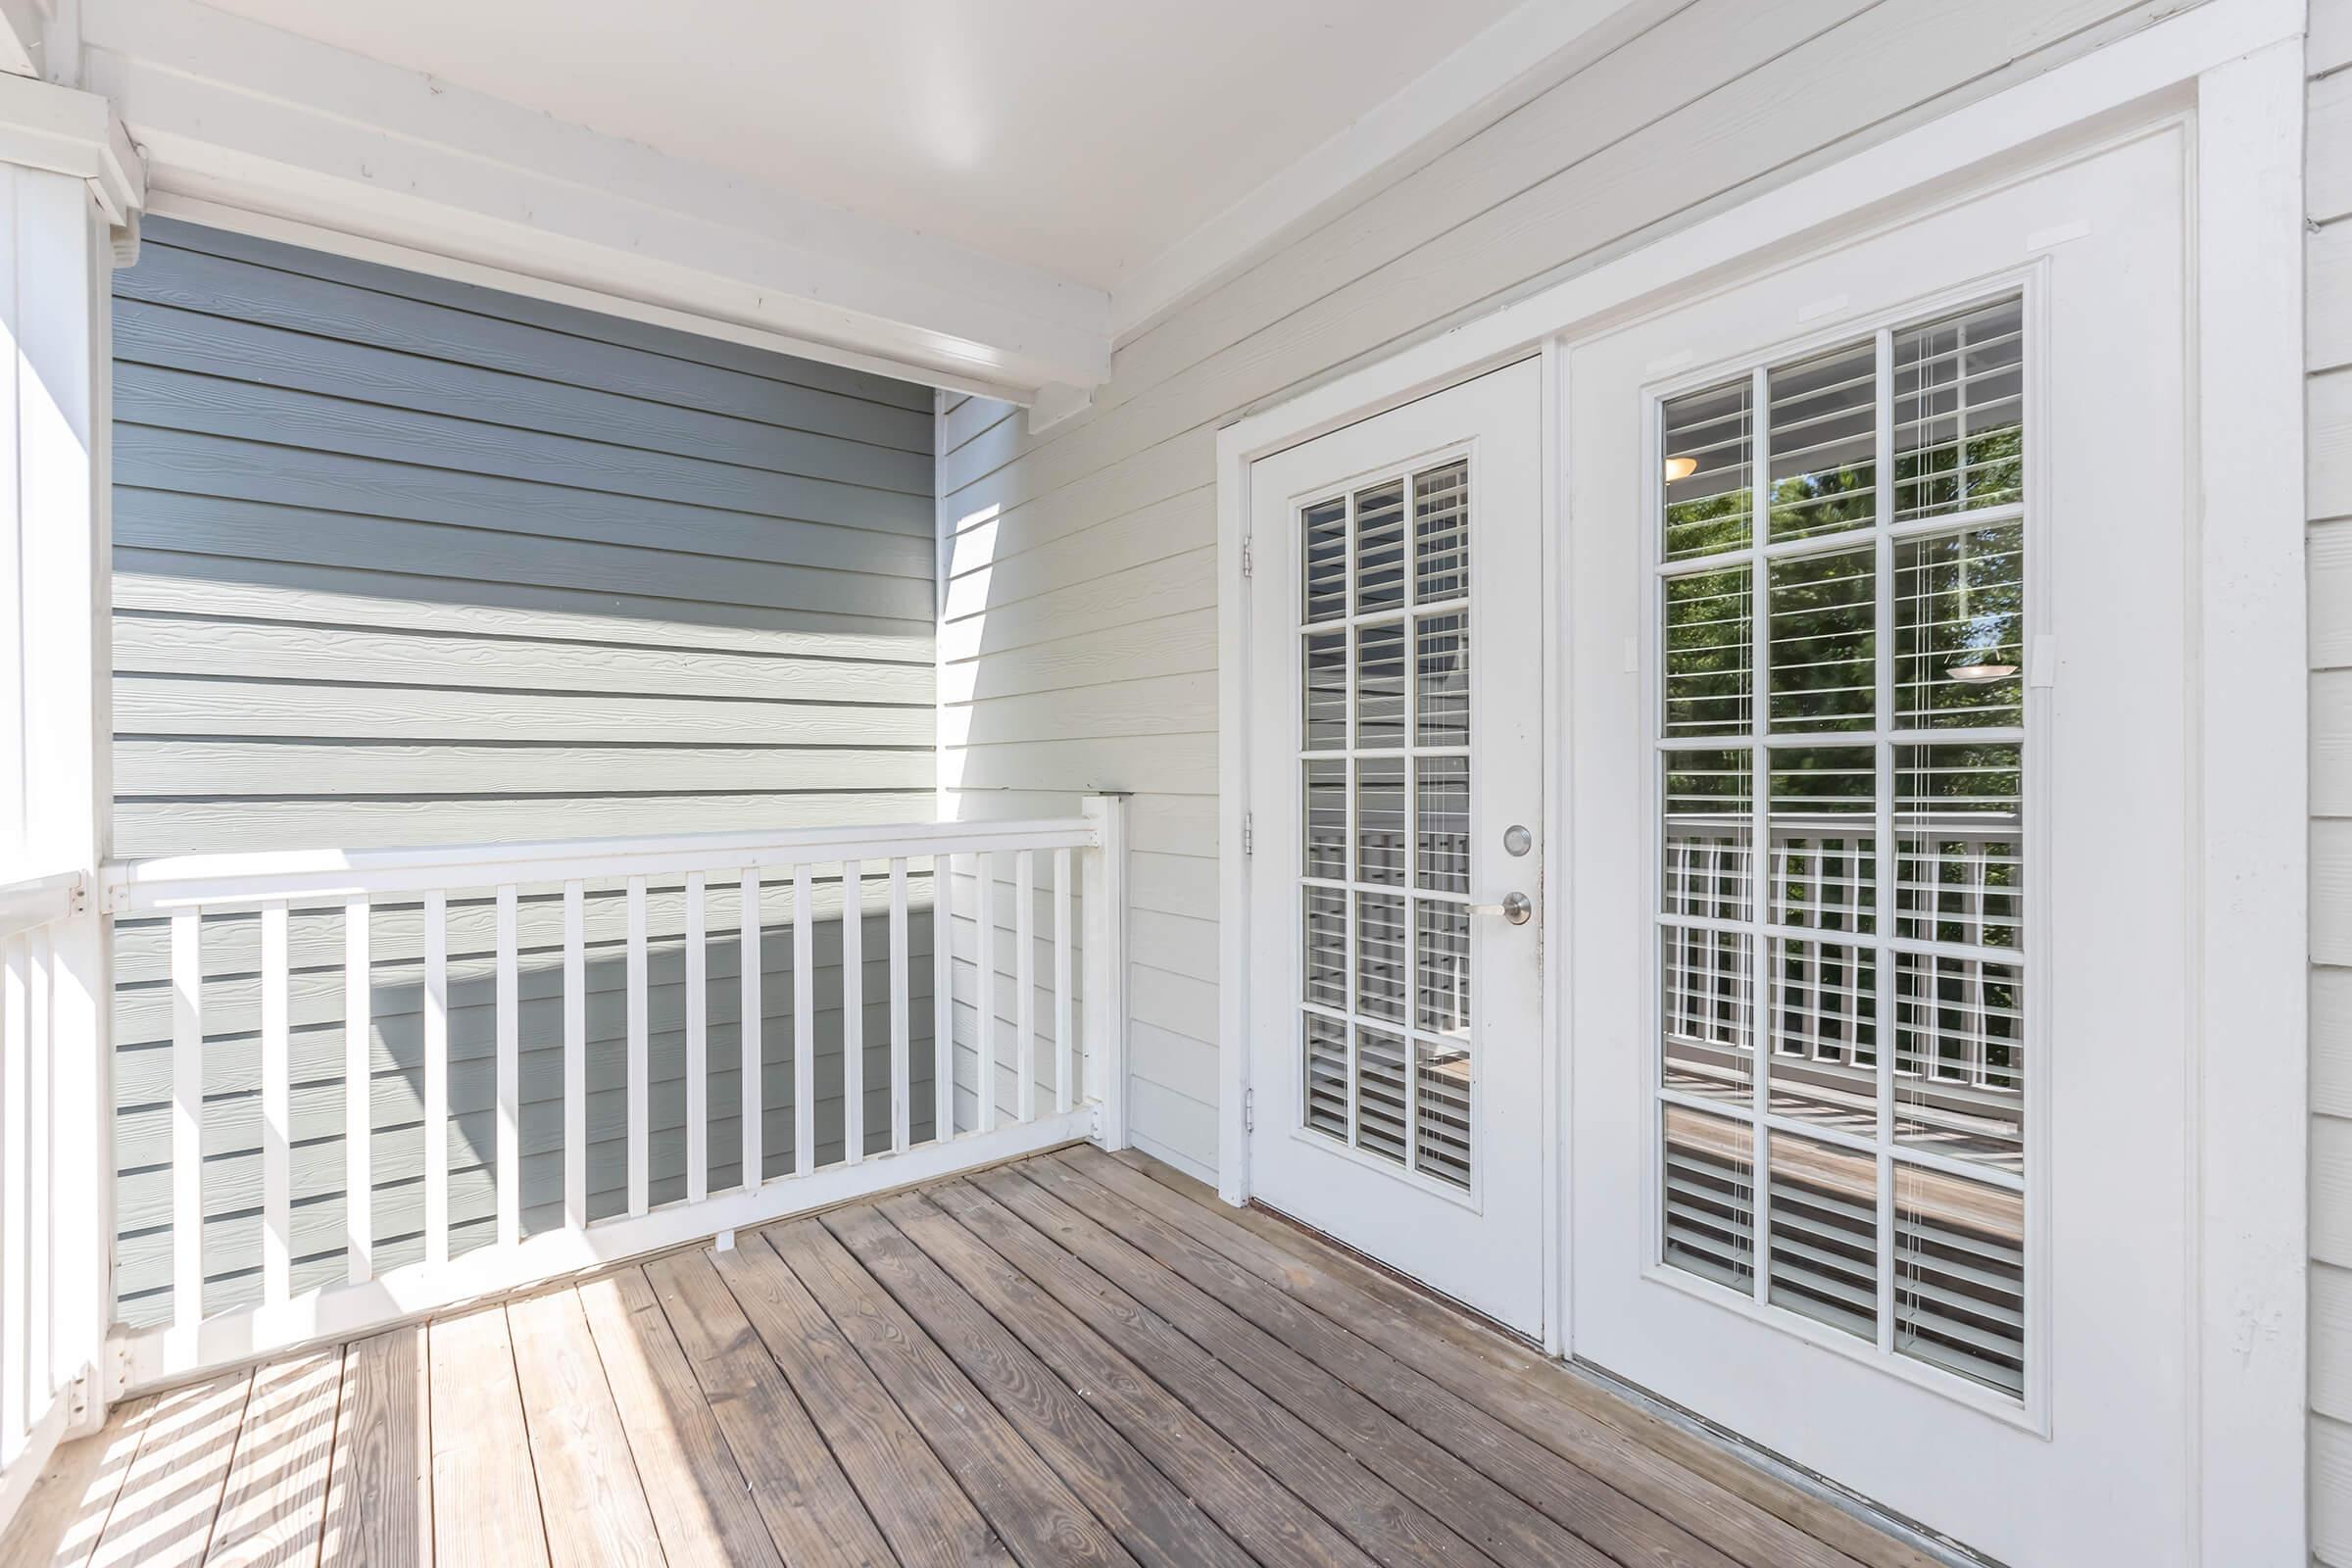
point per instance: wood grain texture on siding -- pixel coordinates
(401, 560)
(1077, 640)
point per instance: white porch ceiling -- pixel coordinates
(983, 195)
(1082, 138)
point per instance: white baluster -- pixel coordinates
(900, 1087)
(278, 1191)
(575, 1055)
(984, 972)
(359, 1111)
(943, 1000)
(698, 1049)
(187, 1119)
(751, 1093)
(1025, 980)
(436, 1077)
(510, 1072)
(1065, 1069)
(804, 1026)
(853, 1014)
(640, 1060)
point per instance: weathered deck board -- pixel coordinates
(1075, 1358)
(485, 1497)
(590, 1497)
(701, 1502)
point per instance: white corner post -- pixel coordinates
(1105, 976)
(69, 195)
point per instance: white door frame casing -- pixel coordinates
(2239, 65)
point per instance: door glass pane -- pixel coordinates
(1898, 788)
(1442, 784)
(1385, 1056)
(1960, 1276)
(1708, 1014)
(1709, 480)
(1379, 821)
(1441, 679)
(1710, 821)
(1825, 1035)
(1380, 1093)
(1710, 630)
(1379, 686)
(1442, 533)
(1823, 422)
(1710, 1194)
(1825, 1233)
(1323, 530)
(1380, 547)
(1824, 620)
(1959, 413)
(1959, 628)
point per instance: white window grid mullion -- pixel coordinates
(1406, 850)
(1885, 861)
(1836, 1137)
(1760, 958)
(1355, 903)
(1829, 543)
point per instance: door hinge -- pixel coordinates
(1248, 1111)
(1249, 832)
(1249, 566)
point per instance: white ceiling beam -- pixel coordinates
(257, 119)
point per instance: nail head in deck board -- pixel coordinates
(1540, 1396)
(275, 1504)
(700, 1502)
(1015, 1490)
(485, 1497)
(1576, 1500)
(1253, 1509)
(591, 1500)
(379, 1494)
(164, 1517)
(1151, 1518)
(1460, 1516)
(59, 1522)
(812, 1510)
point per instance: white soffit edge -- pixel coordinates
(257, 119)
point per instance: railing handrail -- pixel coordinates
(268, 877)
(36, 901)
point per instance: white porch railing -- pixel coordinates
(44, 1354)
(1049, 1082)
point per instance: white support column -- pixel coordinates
(1105, 969)
(70, 191)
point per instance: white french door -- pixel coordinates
(1879, 1001)
(1396, 796)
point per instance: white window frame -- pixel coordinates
(2238, 67)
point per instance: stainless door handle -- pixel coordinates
(1515, 907)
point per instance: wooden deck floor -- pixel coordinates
(1076, 1359)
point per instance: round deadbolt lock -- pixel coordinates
(1517, 840)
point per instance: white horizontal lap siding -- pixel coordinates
(1083, 562)
(399, 561)
(2329, 328)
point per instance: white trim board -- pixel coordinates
(2239, 64)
